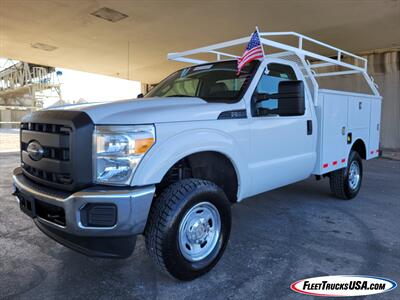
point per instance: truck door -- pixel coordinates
(283, 148)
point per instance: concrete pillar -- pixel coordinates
(386, 72)
(144, 87)
(5, 116)
(384, 67)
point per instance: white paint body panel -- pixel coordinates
(281, 151)
(340, 113)
(151, 110)
(267, 152)
(178, 140)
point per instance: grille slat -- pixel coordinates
(61, 154)
(44, 127)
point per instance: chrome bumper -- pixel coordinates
(132, 209)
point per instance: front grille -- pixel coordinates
(65, 144)
(49, 152)
(55, 140)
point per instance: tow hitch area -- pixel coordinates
(36, 208)
(26, 203)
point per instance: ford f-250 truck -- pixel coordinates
(169, 166)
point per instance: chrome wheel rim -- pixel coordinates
(199, 231)
(354, 175)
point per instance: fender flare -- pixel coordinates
(154, 166)
(357, 140)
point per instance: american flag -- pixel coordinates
(253, 51)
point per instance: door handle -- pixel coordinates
(309, 127)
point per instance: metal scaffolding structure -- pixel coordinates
(24, 87)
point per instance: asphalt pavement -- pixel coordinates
(278, 237)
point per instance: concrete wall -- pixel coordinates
(5, 116)
(9, 117)
(385, 69)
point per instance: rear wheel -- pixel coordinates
(346, 183)
(188, 228)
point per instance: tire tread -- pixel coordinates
(338, 180)
(160, 212)
(337, 183)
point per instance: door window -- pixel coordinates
(269, 84)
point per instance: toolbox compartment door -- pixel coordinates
(374, 129)
(334, 131)
(359, 112)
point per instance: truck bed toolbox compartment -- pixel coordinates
(343, 119)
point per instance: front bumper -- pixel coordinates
(59, 215)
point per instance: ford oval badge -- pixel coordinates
(35, 150)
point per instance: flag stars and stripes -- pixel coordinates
(253, 51)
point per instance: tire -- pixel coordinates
(173, 234)
(343, 184)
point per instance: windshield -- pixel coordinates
(213, 82)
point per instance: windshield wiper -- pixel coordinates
(181, 96)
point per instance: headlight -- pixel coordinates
(118, 151)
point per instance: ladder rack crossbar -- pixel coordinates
(349, 72)
(299, 50)
(304, 37)
(223, 54)
(358, 65)
(321, 65)
(302, 53)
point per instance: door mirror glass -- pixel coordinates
(290, 98)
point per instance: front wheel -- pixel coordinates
(188, 228)
(346, 183)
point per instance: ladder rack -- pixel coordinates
(359, 66)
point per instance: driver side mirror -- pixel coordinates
(140, 95)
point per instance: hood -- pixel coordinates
(152, 110)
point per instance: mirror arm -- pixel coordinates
(275, 96)
(266, 96)
(262, 97)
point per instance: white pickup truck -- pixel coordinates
(169, 166)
